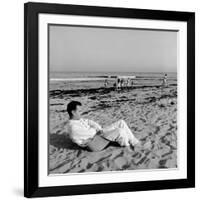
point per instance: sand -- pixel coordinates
(149, 110)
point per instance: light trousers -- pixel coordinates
(120, 132)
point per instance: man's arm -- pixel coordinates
(94, 124)
(79, 135)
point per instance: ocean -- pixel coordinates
(98, 75)
(87, 80)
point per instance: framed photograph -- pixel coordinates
(109, 99)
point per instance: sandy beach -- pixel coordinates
(149, 110)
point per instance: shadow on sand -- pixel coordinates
(62, 141)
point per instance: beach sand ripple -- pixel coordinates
(150, 112)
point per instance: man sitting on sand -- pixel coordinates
(89, 134)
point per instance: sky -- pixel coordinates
(92, 49)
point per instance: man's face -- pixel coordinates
(77, 113)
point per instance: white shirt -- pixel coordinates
(81, 130)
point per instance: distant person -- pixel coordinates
(164, 83)
(106, 83)
(125, 82)
(118, 83)
(122, 83)
(132, 83)
(129, 82)
(89, 134)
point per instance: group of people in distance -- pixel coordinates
(123, 83)
(120, 83)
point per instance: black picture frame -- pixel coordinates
(31, 12)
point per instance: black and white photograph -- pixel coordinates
(109, 99)
(112, 99)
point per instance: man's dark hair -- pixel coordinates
(72, 106)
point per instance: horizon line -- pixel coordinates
(115, 71)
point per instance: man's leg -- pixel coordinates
(133, 140)
(118, 135)
(120, 132)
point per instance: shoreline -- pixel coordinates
(104, 89)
